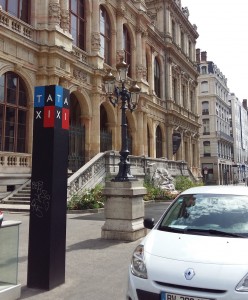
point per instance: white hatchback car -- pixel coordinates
(198, 250)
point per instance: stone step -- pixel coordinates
(15, 207)
(20, 196)
(17, 201)
(24, 192)
(26, 195)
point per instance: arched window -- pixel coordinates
(105, 133)
(173, 29)
(17, 8)
(77, 23)
(105, 35)
(182, 41)
(127, 49)
(184, 95)
(158, 142)
(76, 155)
(147, 64)
(175, 89)
(192, 101)
(148, 142)
(157, 78)
(190, 50)
(13, 113)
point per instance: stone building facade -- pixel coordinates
(216, 138)
(239, 131)
(72, 43)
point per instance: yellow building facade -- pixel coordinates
(73, 43)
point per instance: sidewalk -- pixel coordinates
(95, 268)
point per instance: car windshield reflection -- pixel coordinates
(221, 215)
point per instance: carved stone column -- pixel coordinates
(95, 42)
(119, 28)
(144, 60)
(65, 15)
(139, 54)
(139, 134)
(95, 128)
(54, 13)
(168, 79)
(169, 143)
(95, 34)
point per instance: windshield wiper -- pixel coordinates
(214, 232)
(200, 231)
(172, 229)
(224, 233)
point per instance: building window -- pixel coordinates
(205, 124)
(157, 78)
(17, 8)
(182, 41)
(77, 23)
(147, 64)
(204, 87)
(190, 50)
(175, 89)
(205, 108)
(206, 148)
(173, 25)
(127, 49)
(192, 107)
(158, 142)
(204, 70)
(13, 113)
(184, 96)
(105, 36)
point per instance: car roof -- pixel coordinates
(218, 189)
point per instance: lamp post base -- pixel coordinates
(124, 211)
(124, 173)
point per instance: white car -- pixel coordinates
(198, 250)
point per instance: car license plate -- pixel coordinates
(169, 296)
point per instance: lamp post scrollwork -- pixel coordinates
(129, 100)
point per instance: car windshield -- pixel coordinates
(222, 215)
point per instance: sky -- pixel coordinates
(222, 26)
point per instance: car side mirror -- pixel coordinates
(149, 223)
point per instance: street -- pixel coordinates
(95, 268)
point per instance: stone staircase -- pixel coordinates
(18, 200)
(21, 196)
(102, 166)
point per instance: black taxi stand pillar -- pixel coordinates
(48, 204)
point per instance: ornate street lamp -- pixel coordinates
(129, 100)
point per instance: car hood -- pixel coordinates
(197, 248)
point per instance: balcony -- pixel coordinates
(16, 25)
(223, 136)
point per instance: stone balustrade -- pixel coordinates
(16, 25)
(105, 165)
(12, 159)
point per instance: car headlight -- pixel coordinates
(243, 285)
(138, 266)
